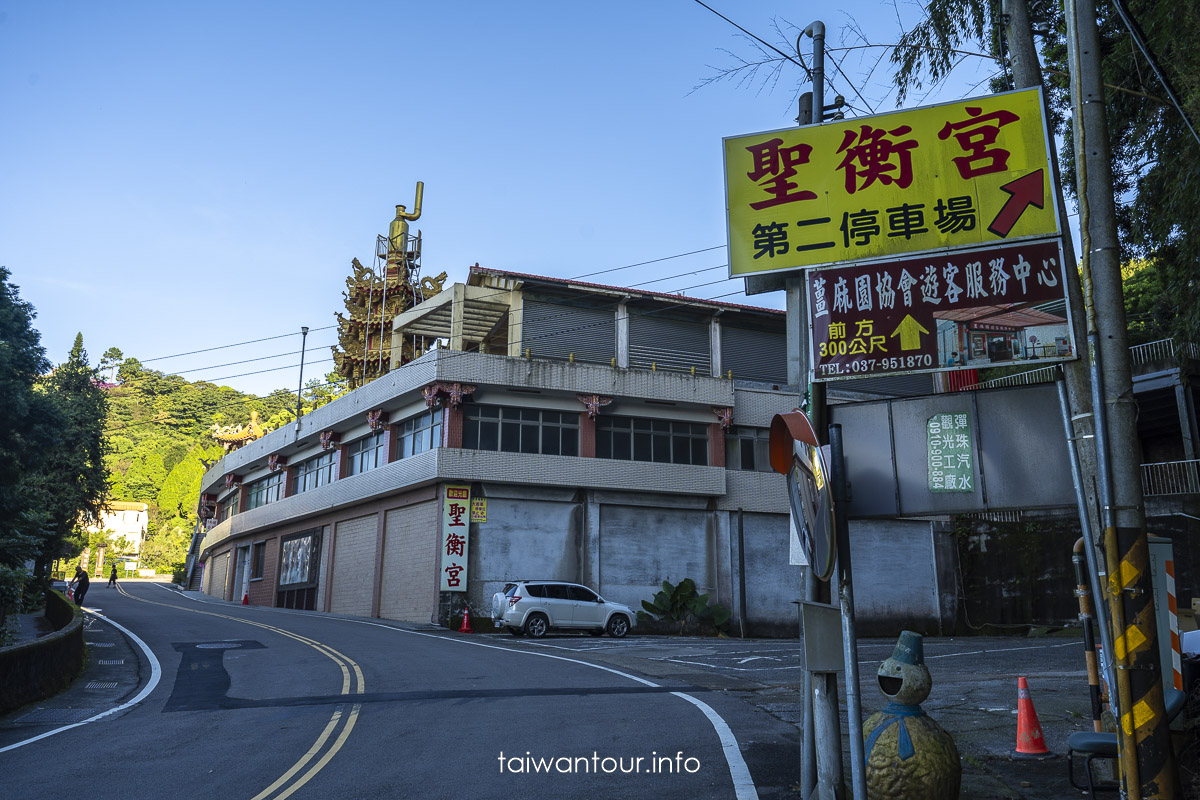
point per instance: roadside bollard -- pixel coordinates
(909, 756)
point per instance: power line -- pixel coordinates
(453, 354)
(235, 344)
(757, 39)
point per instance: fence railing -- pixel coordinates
(1171, 477)
(1040, 375)
(1162, 350)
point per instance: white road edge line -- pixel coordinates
(743, 783)
(155, 676)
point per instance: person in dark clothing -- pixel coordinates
(112, 577)
(80, 584)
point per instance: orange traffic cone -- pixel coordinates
(466, 622)
(1030, 743)
(246, 599)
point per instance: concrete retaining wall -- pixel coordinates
(30, 671)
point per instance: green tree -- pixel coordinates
(22, 522)
(73, 482)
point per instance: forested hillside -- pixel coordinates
(160, 427)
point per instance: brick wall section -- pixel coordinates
(262, 592)
(410, 554)
(343, 456)
(587, 436)
(219, 568)
(716, 445)
(453, 422)
(354, 566)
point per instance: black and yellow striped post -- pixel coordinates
(1148, 769)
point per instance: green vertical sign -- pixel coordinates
(950, 453)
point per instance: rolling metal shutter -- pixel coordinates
(671, 344)
(754, 355)
(556, 330)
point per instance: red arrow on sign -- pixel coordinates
(1025, 191)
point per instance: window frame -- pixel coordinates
(369, 448)
(622, 438)
(517, 429)
(308, 474)
(265, 491)
(424, 429)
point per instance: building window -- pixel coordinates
(367, 453)
(521, 430)
(230, 506)
(313, 473)
(258, 560)
(658, 440)
(418, 434)
(748, 449)
(264, 491)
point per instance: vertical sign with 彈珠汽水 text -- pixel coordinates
(456, 507)
(951, 466)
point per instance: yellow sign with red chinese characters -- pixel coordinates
(963, 174)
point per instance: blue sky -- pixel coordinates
(180, 176)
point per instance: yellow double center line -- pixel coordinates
(322, 749)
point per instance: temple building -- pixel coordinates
(528, 427)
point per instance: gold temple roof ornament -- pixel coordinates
(232, 437)
(375, 296)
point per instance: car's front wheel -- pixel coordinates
(618, 626)
(536, 626)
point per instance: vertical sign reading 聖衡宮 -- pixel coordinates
(456, 506)
(951, 467)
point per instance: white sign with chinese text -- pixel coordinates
(456, 508)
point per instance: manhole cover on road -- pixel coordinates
(218, 646)
(100, 644)
(110, 662)
(101, 685)
(57, 715)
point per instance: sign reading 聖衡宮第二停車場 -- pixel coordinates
(962, 174)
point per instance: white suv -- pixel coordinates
(534, 607)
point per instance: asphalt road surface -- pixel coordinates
(219, 700)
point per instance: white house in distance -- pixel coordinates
(123, 518)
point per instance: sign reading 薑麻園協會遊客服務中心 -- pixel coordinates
(962, 174)
(951, 465)
(970, 308)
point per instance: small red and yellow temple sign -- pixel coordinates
(963, 174)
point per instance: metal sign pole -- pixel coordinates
(837, 469)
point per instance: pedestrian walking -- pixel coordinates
(79, 584)
(112, 577)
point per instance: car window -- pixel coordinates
(582, 594)
(510, 589)
(556, 591)
(535, 590)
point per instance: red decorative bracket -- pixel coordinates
(275, 461)
(453, 392)
(724, 416)
(232, 480)
(594, 403)
(377, 418)
(329, 439)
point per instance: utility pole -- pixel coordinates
(1027, 74)
(300, 388)
(1148, 768)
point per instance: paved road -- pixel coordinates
(265, 703)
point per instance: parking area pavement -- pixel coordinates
(974, 694)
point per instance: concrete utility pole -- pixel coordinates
(1027, 73)
(1148, 767)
